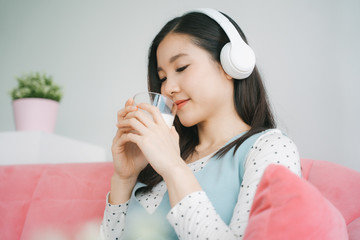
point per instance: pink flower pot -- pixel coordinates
(35, 114)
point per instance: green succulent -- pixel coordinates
(36, 85)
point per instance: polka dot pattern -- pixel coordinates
(271, 148)
(194, 217)
(112, 225)
(150, 201)
(114, 217)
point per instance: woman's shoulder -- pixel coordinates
(269, 141)
(261, 139)
(272, 135)
(274, 147)
(274, 142)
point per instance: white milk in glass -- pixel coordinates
(169, 119)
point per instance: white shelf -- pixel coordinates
(34, 147)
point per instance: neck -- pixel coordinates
(217, 131)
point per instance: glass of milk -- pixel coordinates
(166, 106)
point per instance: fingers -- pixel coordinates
(129, 119)
(132, 124)
(129, 107)
(128, 137)
(136, 122)
(120, 132)
(174, 133)
(129, 102)
(124, 112)
(121, 115)
(154, 112)
(121, 137)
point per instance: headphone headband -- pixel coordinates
(237, 58)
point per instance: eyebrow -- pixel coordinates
(173, 59)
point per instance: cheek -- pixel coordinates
(196, 78)
(204, 81)
(162, 89)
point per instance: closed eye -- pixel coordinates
(181, 68)
(177, 70)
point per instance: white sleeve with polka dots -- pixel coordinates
(271, 148)
(113, 223)
(194, 217)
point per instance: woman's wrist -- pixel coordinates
(180, 182)
(121, 189)
(123, 180)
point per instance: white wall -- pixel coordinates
(97, 50)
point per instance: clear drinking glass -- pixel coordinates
(166, 106)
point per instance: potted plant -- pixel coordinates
(36, 102)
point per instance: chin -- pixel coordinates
(187, 122)
(188, 125)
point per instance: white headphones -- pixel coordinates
(237, 58)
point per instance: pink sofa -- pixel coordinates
(34, 198)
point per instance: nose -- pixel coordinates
(170, 87)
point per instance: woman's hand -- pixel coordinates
(160, 146)
(127, 157)
(158, 142)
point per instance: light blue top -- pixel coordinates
(220, 178)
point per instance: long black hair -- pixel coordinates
(250, 98)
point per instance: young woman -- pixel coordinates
(196, 180)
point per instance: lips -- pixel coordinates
(181, 103)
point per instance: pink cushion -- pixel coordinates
(288, 207)
(339, 184)
(63, 196)
(354, 229)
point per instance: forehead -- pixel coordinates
(174, 44)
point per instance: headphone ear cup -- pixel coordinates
(236, 57)
(226, 62)
(238, 65)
